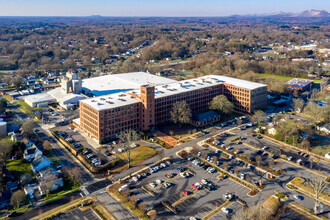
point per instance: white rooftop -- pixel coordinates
(41, 97)
(163, 90)
(110, 84)
(65, 98)
(111, 101)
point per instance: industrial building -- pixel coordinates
(300, 84)
(106, 116)
(39, 100)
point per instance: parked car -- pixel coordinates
(179, 170)
(167, 185)
(225, 210)
(264, 147)
(185, 192)
(298, 197)
(153, 185)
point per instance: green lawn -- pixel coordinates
(18, 168)
(266, 75)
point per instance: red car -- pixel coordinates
(185, 192)
(194, 186)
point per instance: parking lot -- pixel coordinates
(80, 142)
(181, 193)
(78, 214)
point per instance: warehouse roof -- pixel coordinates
(110, 84)
(37, 98)
(163, 90)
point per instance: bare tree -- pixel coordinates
(271, 164)
(215, 159)
(236, 171)
(17, 198)
(225, 166)
(258, 159)
(6, 147)
(180, 113)
(152, 214)
(213, 131)
(305, 144)
(143, 208)
(74, 174)
(27, 127)
(125, 193)
(47, 145)
(204, 154)
(318, 186)
(194, 150)
(257, 212)
(133, 200)
(260, 117)
(298, 105)
(129, 138)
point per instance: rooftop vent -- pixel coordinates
(109, 102)
(92, 100)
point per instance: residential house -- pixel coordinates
(32, 152)
(324, 128)
(40, 163)
(48, 171)
(51, 185)
(30, 189)
(5, 197)
(28, 143)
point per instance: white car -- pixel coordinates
(163, 165)
(168, 162)
(158, 181)
(265, 148)
(225, 210)
(204, 181)
(212, 170)
(121, 150)
(152, 185)
(167, 185)
(135, 179)
(97, 164)
(95, 160)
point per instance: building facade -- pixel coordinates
(106, 116)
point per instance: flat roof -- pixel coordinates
(63, 97)
(163, 90)
(203, 82)
(110, 101)
(37, 98)
(299, 82)
(110, 84)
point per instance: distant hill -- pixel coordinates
(305, 14)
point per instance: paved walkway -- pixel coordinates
(114, 207)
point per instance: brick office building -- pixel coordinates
(106, 116)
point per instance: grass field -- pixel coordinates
(138, 155)
(266, 75)
(18, 168)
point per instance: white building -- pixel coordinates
(39, 100)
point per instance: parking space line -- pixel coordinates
(184, 198)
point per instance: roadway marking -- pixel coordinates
(184, 198)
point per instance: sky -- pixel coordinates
(145, 8)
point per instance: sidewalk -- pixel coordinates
(114, 207)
